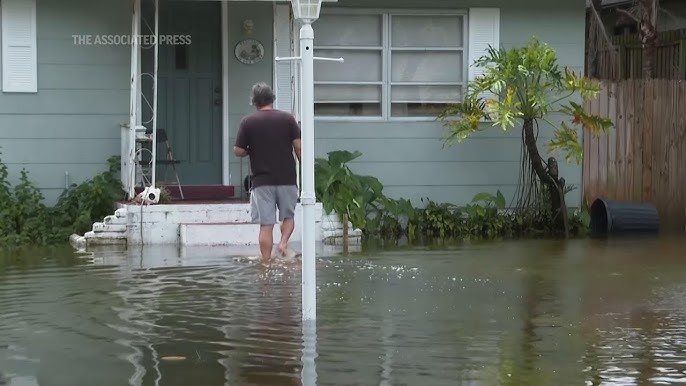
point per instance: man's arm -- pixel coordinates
(240, 152)
(240, 148)
(297, 148)
(295, 134)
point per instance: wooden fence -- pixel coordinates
(643, 158)
(625, 60)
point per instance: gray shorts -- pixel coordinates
(265, 200)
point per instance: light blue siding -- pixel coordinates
(242, 77)
(72, 125)
(409, 157)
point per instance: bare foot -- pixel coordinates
(283, 249)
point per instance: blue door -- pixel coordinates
(189, 88)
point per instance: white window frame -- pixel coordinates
(386, 59)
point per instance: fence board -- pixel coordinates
(643, 159)
(603, 102)
(637, 135)
(611, 187)
(681, 182)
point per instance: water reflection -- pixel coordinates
(511, 313)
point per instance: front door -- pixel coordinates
(189, 89)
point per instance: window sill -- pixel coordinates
(349, 119)
(381, 119)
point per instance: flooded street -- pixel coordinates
(582, 312)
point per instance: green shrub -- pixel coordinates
(26, 220)
(378, 216)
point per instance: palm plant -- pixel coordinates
(525, 85)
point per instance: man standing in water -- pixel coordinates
(269, 137)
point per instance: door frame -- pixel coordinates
(226, 133)
(128, 135)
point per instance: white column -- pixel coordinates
(307, 198)
(154, 93)
(226, 175)
(130, 174)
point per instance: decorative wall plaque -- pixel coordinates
(249, 51)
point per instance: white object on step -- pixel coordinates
(149, 196)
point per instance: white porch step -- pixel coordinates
(105, 235)
(235, 233)
(114, 220)
(100, 227)
(228, 233)
(104, 238)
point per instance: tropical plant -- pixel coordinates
(342, 191)
(524, 86)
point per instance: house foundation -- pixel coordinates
(200, 224)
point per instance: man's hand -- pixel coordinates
(239, 151)
(297, 148)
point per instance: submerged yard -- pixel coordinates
(516, 313)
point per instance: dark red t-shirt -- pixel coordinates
(268, 137)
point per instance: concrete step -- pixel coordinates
(121, 213)
(227, 233)
(105, 235)
(100, 227)
(114, 220)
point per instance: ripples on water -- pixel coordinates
(524, 313)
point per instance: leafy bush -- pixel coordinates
(81, 205)
(25, 219)
(363, 200)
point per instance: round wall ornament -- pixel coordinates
(249, 51)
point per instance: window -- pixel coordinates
(397, 64)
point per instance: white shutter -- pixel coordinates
(19, 60)
(282, 48)
(484, 30)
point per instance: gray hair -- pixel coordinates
(262, 95)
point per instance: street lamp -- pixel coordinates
(307, 11)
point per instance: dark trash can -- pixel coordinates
(622, 217)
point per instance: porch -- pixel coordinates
(187, 100)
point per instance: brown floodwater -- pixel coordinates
(580, 312)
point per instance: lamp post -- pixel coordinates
(307, 12)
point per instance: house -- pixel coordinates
(671, 16)
(67, 97)
(614, 49)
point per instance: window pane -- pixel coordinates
(417, 109)
(359, 66)
(348, 30)
(347, 109)
(427, 31)
(426, 94)
(347, 100)
(347, 93)
(436, 66)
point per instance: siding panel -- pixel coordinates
(46, 151)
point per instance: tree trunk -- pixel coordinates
(648, 36)
(548, 176)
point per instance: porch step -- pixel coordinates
(213, 234)
(111, 231)
(114, 220)
(102, 227)
(104, 238)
